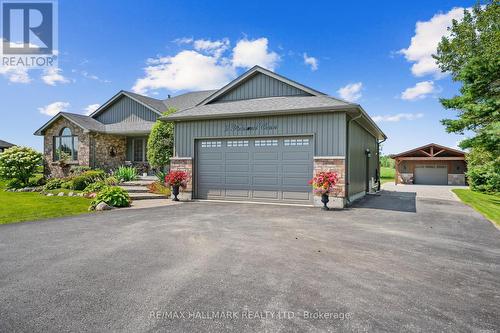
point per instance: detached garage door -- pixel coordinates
(431, 174)
(261, 169)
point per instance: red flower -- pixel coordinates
(177, 178)
(324, 182)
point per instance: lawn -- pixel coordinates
(19, 207)
(387, 174)
(486, 204)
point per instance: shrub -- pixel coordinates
(79, 183)
(161, 142)
(159, 188)
(94, 176)
(126, 173)
(111, 181)
(19, 163)
(94, 188)
(483, 174)
(37, 180)
(76, 170)
(14, 184)
(53, 184)
(161, 175)
(113, 196)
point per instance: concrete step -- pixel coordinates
(146, 196)
(135, 189)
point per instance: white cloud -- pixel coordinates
(311, 61)
(351, 92)
(91, 108)
(15, 74)
(419, 91)
(54, 108)
(216, 48)
(183, 40)
(397, 117)
(248, 53)
(425, 41)
(90, 76)
(187, 70)
(52, 76)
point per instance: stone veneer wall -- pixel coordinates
(53, 168)
(337, 164)
(103, 144)
(456, 179)
(184, 164)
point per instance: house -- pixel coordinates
(262, 137)
(431, 164)
(259, 138)
(4, 145)
(114, 135)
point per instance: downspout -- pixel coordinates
(378, 164)
(347, 156)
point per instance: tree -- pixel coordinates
(19, 163)
(471, 55)
(161, 142)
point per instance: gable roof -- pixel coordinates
(5, 144)
(84, 122)
(187, 100)
(153, 104)
(440, 150)
(249, 74)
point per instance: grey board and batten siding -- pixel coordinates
(126, 110)
(260, 169)
(327, 129)
(260, 86)
(360, 140)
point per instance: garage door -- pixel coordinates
(431, 174)
(261, 169)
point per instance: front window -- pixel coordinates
(66, 145)
(139, 150)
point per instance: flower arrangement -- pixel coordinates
(177, 178)
(324, 182)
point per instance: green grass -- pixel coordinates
(387, 174)
(19, 207)
(486, 204)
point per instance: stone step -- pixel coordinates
(137, 183)
(135, 189)
(146, 196)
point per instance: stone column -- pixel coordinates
(184, 164)
(336, 164)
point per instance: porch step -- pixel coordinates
(134, 188)
(146, 196)
(137, 183)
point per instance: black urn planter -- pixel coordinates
(175, 192)
(324, 200)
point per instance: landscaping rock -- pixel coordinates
(80, 194)
(50, 194)
(60, 194)
(103, 206)
(71, 194)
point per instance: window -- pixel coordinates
(66, 144)
(240, 143)
(296, 142)
(139, 150)
(264, 143)
(211, 144)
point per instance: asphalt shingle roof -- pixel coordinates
(187, 100)
(5, 144)
(262, 106)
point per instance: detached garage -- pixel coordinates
(263, 136)
(431, 164)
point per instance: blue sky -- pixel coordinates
(104, 46)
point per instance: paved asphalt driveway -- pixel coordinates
(390, 263)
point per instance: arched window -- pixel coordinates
(66, 145)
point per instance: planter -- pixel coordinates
(325, 200)
(175, 192)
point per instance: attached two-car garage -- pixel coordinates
(256, 169)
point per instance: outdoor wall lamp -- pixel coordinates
(368, 153)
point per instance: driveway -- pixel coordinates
(442, 192)
(393, 262)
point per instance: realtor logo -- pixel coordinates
(29, 33)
